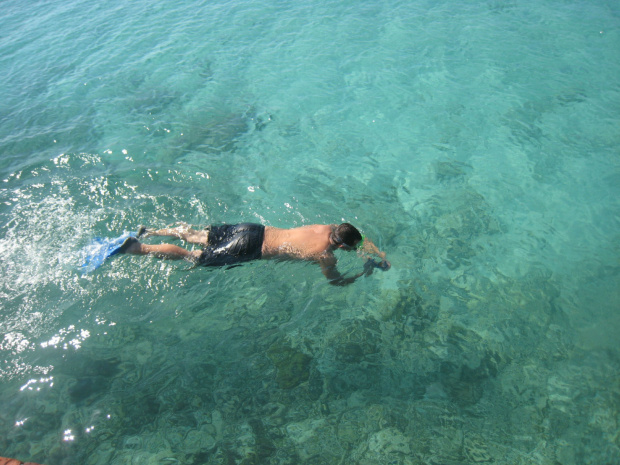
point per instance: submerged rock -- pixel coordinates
(293, 366)
(87, 387)
(357, 341)
(389, 441)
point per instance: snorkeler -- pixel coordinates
(232, 244)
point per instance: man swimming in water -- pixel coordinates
(232, 244)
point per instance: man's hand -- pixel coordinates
(369, 266)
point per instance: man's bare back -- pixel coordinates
(304, 243)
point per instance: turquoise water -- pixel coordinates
(477, 143)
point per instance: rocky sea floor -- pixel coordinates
(464, 364)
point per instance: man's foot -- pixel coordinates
(129, 243)
(143, 231)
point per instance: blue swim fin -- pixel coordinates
(99, 249)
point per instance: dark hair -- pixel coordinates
(348, 234)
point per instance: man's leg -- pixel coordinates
(165, 251)
(184, 232)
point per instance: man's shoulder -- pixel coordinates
(314, 226)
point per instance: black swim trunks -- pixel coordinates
(231, 244)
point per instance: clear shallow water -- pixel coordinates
(477, 143)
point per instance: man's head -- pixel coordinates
(346, 234)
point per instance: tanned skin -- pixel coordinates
(315, 243)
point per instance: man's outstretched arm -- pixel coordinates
(370, 248)
(328, 268)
